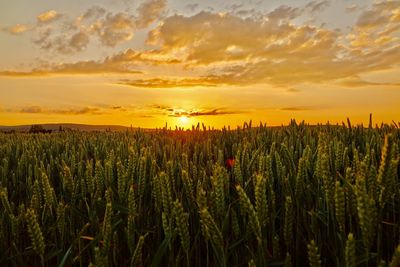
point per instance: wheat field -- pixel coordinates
(296, 195)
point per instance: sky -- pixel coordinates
(151, 62)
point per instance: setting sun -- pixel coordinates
(183, 120)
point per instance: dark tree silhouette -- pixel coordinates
(38, 129)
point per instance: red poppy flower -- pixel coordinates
(229, 163)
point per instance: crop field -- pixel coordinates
(296, 195)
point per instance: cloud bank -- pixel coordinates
(228, 48)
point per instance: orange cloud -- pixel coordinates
(16, 29)
(115, 29)
(82, 67)
(268, 49)
(377, 28)
(170, 83)
(48, 16)
(109, 28)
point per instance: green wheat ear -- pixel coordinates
(314, 258)
(261, 199)
(247, 207)
(107, 227)
(288, 226)
(210, 229)
(252, 263)
(340, 201)
(182, 225)
(350, 251)
(34, 231)
(4, 200)
(137, 255)
(235, 223)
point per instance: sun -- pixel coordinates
(183, 120)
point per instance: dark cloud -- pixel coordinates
(179, 112)
(31, 109)
(71, 111)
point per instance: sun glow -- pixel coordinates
(183, 120)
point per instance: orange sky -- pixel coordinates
(214, 62)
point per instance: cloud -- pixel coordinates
(132, 111)
(355, 81)
(79, 41)
(149, 12)
(169, 83)
(283, 13)
(81, 67)
(65, 44)
(212, 112)
(286, 13)
(153, 57)
(111, 29)
(48, 16)
(115, 29)
(120, 27)
(11, 73)
(69, 111)
(270, 52)
(376, 30)
(31, 109)
(381, 14)
(179, 112)
(16, 29)
(275, 48)
(207, 38)
(94, 12)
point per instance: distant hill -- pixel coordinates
(72, 126)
